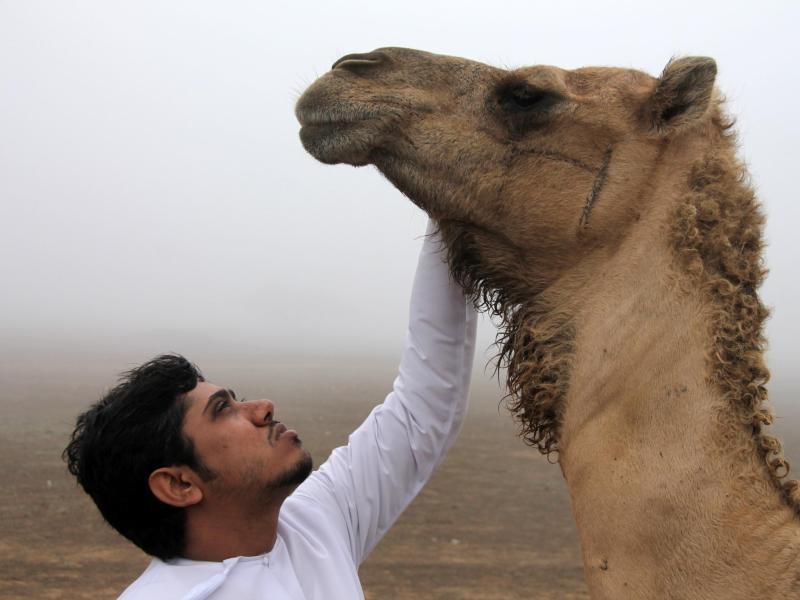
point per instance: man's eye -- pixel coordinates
(220, 406)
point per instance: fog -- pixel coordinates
(154, 194)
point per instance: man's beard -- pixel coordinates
(254, 488)
(296, 475)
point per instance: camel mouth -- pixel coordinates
(327, 131)
(314, 132)
(310, 115)
(316, 118)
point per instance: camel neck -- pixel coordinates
(668, 488)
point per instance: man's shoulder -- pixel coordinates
(165, 580)
(151, 583)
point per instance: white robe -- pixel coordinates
(329, 525)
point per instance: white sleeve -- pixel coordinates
(370, 481)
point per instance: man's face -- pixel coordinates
(251, 455)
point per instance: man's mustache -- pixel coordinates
(271, 430)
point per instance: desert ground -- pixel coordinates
(493, 523)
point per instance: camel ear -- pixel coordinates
(176, 486)
(683, 93)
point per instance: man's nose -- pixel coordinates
(262, 412)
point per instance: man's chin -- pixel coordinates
(298, 473)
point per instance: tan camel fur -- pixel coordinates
(601, 216)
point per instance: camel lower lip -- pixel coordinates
(333, 129)
(333, 143)
(320, 130)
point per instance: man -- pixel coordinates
(221, 493)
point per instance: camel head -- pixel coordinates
(525, 170)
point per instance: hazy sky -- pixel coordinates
(152, 184)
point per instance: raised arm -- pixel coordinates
(388, 459)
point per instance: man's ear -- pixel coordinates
(683, 93)
(176, 486)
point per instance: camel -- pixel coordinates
(602, 217)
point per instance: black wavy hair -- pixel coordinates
(133, 430)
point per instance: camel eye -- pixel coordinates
(525, 98)
(523, 107)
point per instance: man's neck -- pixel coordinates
(221, 530)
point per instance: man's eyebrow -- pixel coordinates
(217, 395)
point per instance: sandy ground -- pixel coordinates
(494, 521)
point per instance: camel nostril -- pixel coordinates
(360, 62)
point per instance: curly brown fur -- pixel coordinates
(536, 349)
(718, 236)
(534, 340)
